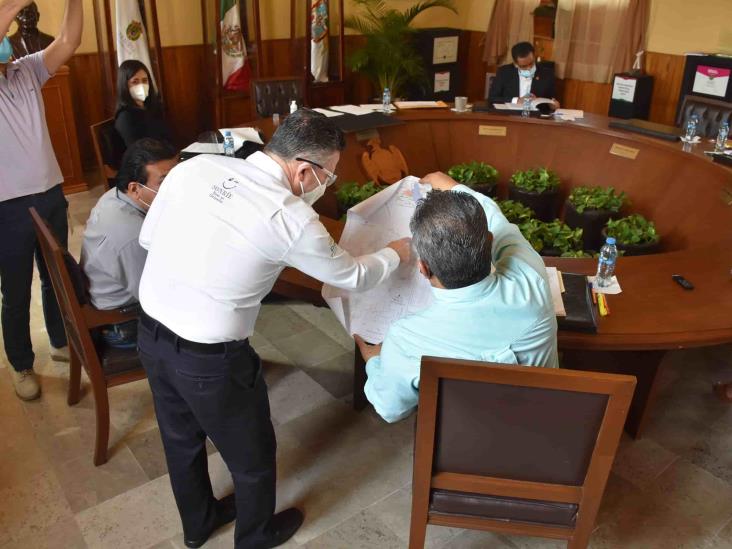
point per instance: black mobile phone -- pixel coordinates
(681, 281)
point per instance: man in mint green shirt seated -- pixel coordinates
(506, 316)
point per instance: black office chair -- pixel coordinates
(711, 113)
(273, 95)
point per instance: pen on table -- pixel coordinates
(592, 291)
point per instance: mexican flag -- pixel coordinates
(319, 40)
(131, 35)
(234, 66)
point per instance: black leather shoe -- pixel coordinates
(225, 513)
(283, 526)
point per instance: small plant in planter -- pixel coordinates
(477, 175)
(538, 189)
(634, 235)
(516, 212)
(553, 238)
(351, 193)
(590, 208)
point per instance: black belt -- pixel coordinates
(161, 331)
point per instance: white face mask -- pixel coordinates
(149, 189)
(311, 197)
(139, 92)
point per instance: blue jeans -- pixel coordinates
(18, 247)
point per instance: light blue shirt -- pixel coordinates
(508, 317)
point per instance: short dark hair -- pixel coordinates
(522, 49)
(137, 158)
(127, 70)
(450, 234)
(308, 134)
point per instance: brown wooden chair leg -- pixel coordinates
(101, 405)
(74, 378)
(418, 521)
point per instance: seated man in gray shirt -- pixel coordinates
(111, 254)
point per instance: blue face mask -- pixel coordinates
(6, 51)
(527, 73)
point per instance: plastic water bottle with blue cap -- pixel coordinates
(691, 125)
(526, 106)
(386, 101)
(722, 137)
(228, 144)
(606, 263)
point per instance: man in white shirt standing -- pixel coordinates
(218, 235)
(29, 177)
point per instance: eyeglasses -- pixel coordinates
(331, 176)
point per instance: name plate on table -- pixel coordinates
(494, 131)
(624, 151)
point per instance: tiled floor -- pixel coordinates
(349, 471)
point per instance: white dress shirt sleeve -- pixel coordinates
(316, 254)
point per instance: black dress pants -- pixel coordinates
(18, 246)
(217, 391)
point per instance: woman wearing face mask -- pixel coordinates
(139, 112)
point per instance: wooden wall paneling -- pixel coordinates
(668, 73)
(184, 79)
(476, 69)
(88, 101)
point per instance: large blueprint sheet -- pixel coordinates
(370, 226)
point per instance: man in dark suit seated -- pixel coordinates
(524, 77)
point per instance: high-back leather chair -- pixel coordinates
(514, 449)
(109, 149)
(273, 95)
(106, 367)
(711, 113)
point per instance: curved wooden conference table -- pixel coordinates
(687, 195)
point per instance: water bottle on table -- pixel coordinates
(228, 144)
(526, 106)
(691, 125)
(722, 137)
(606, 263)
(386, 101)
(293, 106)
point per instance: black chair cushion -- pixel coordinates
(711, 114)
(500, 508)
(274, 96)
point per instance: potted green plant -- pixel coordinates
(389, 58)
(553, 238)
(479, 176)
(634, 235)
(516, 212)
(590, 208)
(538, 189)
(351, 193)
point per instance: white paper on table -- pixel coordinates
(204, 148)
(370, 226)
(711, 81)
(569, 114)
(241, 135)
(624, 88)
(329, 114)
(555, 285)
(351, 109)
(378, 107)
(613, 288)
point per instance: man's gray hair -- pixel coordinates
(450, 234)
(306, 134)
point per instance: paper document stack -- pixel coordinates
(556, 285)
(370, 226)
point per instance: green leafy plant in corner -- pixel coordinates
(539, 180)
(389, 58)
(351, 193)
(555, 235)
(577, 254)
(473, 173)
(515, 212)
(634, 229)
(596, 198)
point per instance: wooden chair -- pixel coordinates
(108, 147)
(106, 367)
(711, 113)
(514, 449)
(273, 95)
